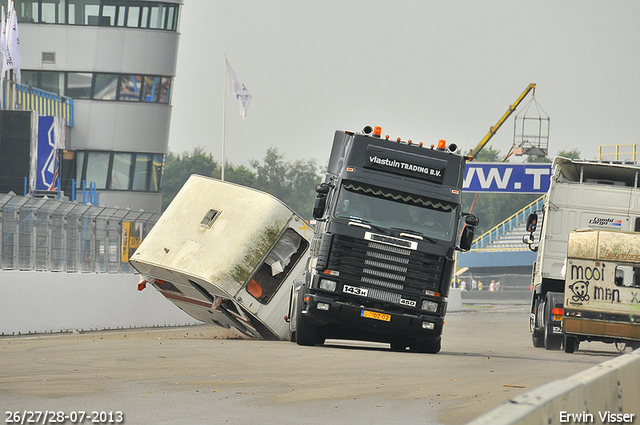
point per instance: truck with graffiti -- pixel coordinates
(388, 220)
(602, 289)
(582, 194)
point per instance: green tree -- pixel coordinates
(489, 154)
(178, 168)
(572, 154)
(292, 183)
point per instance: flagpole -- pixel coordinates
(224, 115)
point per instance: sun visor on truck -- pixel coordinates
(405, 163)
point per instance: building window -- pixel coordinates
(156, 174)
(130, 88)
(105, 87)
(119, 170)
(120, 13)
(141, 172)
(78, 85)
(97, 169)
(53, 11)
(28, 11)
(86, 85)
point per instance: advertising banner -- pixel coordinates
(50, 142)
(507, 178)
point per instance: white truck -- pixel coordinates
(602, 289)
(582, 194)
(227, 255)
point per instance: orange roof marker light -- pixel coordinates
(442, 145)
(377, 131)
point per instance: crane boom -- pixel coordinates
(474, 152)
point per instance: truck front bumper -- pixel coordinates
(342, 320)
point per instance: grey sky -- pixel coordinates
(423, 70)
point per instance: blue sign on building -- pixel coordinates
(507, 178)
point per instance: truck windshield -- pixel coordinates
(387, 208)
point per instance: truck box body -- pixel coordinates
(216, 253)
(602, 292)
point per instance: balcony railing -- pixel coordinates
(21, 97)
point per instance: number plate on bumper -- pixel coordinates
(375, 315)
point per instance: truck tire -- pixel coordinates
(570, 344)
(427, 346)
(551, 341)
(306, 333)
(537, 336)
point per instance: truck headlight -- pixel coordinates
(429, 306)
(328, 285)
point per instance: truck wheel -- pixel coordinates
(427, 346)
(306, 333)
(537, 337)
(570, 344)
(551, 341)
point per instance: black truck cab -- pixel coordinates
(388, 216)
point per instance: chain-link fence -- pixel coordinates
(56, 235)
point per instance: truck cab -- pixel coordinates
(382, 256)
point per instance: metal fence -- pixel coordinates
(61, 236)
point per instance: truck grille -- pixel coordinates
(385, 266)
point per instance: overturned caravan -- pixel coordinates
(227, 255)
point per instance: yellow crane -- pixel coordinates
(474, 152)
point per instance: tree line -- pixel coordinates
(294, 182)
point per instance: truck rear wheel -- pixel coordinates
(537, 336)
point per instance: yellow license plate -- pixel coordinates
(375, 315)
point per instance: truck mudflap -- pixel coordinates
(364, 323)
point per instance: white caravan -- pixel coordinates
(227, 255)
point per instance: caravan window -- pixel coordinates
(627, 276)
(277, 266)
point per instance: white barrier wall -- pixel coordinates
(39, 302)
(604, 394)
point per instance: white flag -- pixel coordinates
(239, 90)
(14, 58)
(3, 43)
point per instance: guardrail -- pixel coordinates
(517, 219)
(22, 97)
(57, 235)
(602, 394)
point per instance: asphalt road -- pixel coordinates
(204, 375)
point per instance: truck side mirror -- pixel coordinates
(532, 222)
(471, 220)
(321, 200)
(466, 239)
(323, 188)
